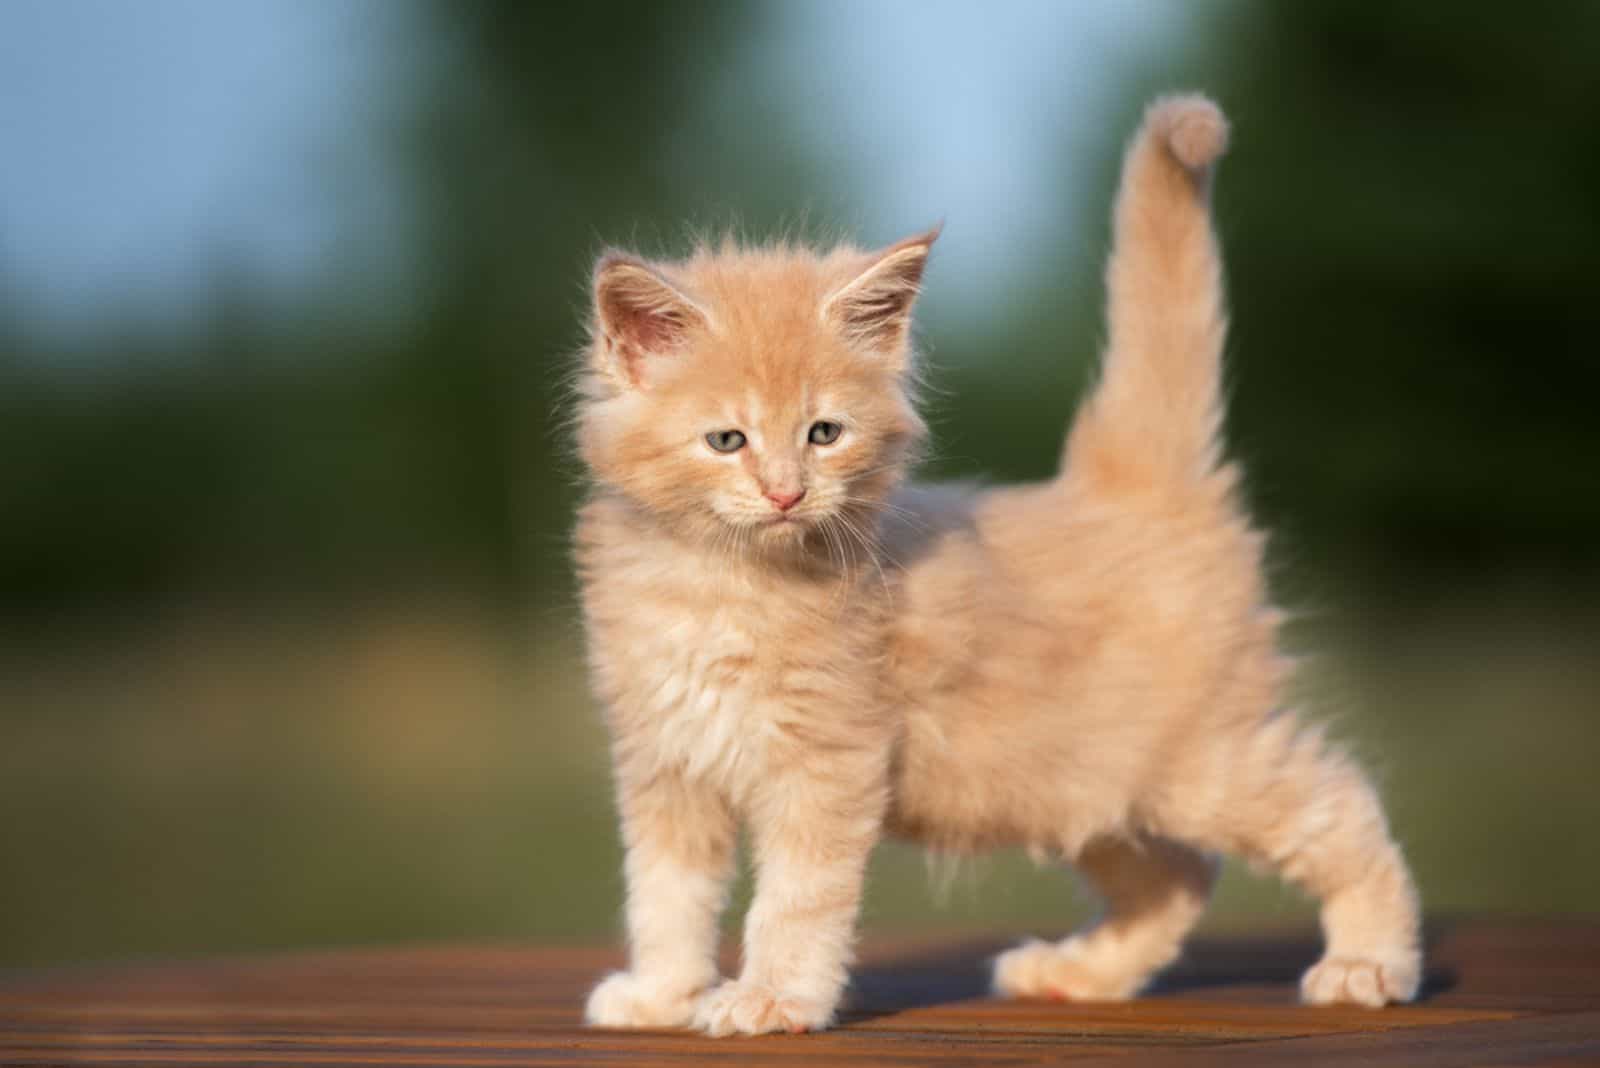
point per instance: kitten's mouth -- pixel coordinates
(783, 525)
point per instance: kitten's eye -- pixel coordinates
(725, 440)
(824, 433)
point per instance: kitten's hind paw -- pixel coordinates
(738, 1008)
(624, 999)
(1361, 981)
(1060, 972)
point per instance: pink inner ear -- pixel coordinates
(643, 333)
(879, 311)
(876, 308)
(641, 313)
(653, 330)
(880, 308)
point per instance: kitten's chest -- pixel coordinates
(702, 695)
(711, 667)
(688, 674)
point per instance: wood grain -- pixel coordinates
(1496, 993)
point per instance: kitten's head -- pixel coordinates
(756, 396)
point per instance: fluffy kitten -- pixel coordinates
(783, 635)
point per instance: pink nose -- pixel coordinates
(785, 501)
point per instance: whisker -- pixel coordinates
(869, 548)
(911, 516)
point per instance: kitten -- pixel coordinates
(783, 635)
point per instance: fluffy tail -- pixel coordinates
(1156, 413)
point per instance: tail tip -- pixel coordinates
(1193, 126)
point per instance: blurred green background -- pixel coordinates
(288, 654)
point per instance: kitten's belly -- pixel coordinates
(1026, 720)
(967, 782)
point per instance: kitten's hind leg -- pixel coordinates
(1154, 891)
(1370, 918)
(1306, 810)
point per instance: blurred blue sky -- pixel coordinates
(146, 145)
(957, 111)
(146, 142)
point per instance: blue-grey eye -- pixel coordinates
(824, 433)
(725, 440)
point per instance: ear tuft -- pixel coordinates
(638, 315)
(874, 308)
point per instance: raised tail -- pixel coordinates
(1156, 413)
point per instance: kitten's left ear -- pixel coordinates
(873, 309)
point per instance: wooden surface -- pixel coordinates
(1496, 994)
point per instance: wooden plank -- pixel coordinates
(1525, 993)
(1563, 1038)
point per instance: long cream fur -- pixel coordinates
(1086, 667)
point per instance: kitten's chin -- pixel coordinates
(782, 531)
(765, 536)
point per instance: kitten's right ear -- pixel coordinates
(639, 316)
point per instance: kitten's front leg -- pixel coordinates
(812, 834)
(680, 840)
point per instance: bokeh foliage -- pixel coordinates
(1413, 228)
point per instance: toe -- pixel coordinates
(1360, 981)
(1070, 971)
(626, 1000)
(749, 1009)
(1016, 971)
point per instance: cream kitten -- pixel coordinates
(783, 636)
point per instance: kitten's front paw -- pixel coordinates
(1362, 981)
(738, 1008)
(624, 999)
(1061, 972)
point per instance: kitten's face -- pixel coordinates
(755, 398)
